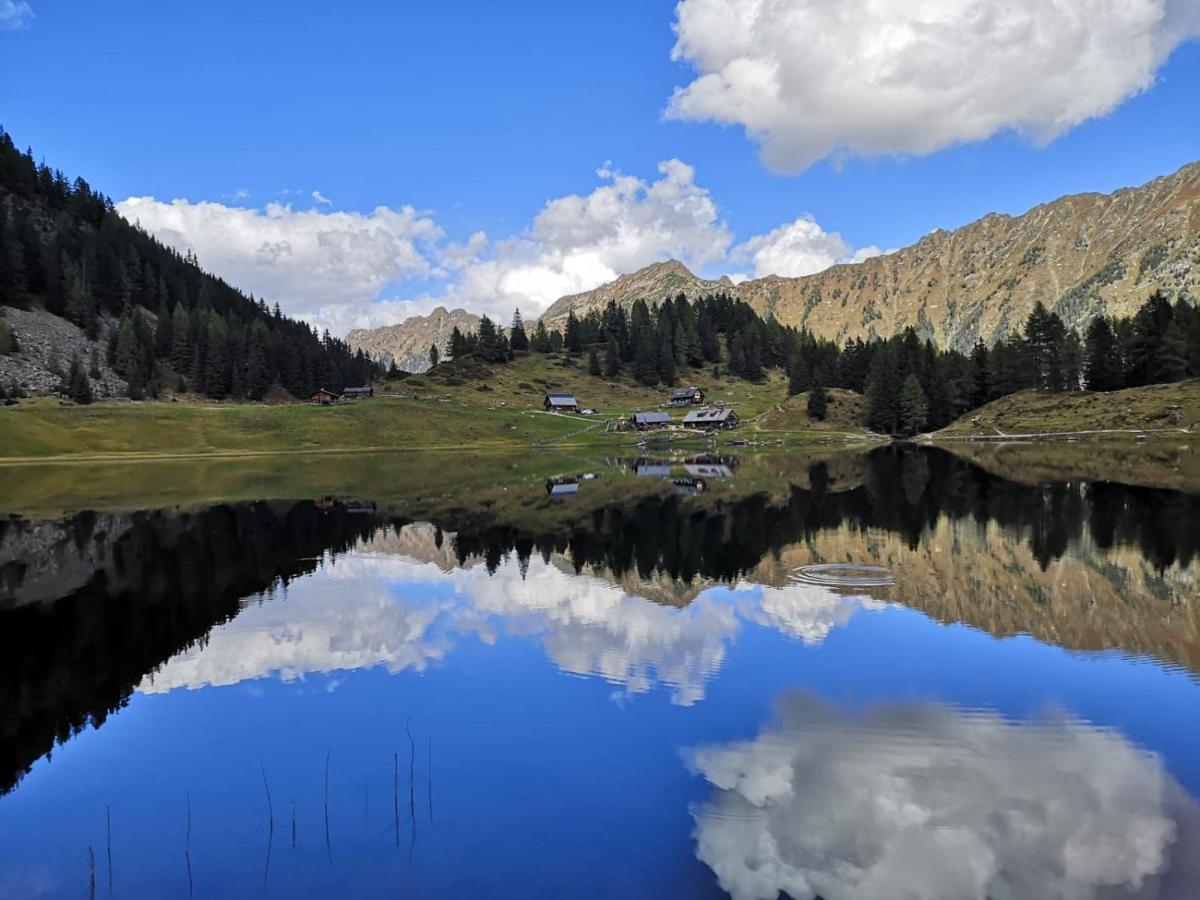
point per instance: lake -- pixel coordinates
(873, 675)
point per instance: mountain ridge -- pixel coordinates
(1081, 255)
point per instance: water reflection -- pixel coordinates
(927, 801)
(401, 601)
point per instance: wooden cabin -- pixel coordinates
(358, 393)
(323, 397)
(561, 403)
(650, 421)
(687, 396)
(711, 419)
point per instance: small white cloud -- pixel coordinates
(812, 78)
(15, 14)
(798, 248)
(321, 199)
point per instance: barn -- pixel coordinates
(323, 397)
(358, 393)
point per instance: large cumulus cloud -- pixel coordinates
(810, 78)
(926, 802)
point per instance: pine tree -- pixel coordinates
(8, 339)
(435, 356)
(798, 376)
(540, 343)
(883, 395)
(181, 340)
(666, 358)
(458, 344)
(76, 385)
(914, 408)
(818, 401)
(573, 339)
(518, 340)
(612, 358)
(593, 363)
(1102, 369)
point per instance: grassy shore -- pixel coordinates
(477, 408)
(1156, 407)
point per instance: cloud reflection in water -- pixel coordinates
(927, 802)
(376, 609)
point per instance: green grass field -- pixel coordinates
(483, 409)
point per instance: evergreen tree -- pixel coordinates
(76, 385)
(541, 338)
(666, 358)
(458, 344)
(612, 358)
(573, 338)
(593, 363)
(181, 340)
(1102, 370)
(435, 356)
(883, 394)
(914, 408)
(798, 375)
(8, 339)
(818, 401)
(518, 340)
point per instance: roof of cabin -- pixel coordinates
(685, 392)
(651, 418)
(707, 415)
(561, 399)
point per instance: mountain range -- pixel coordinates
(1080, 255)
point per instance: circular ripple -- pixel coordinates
(843, 575)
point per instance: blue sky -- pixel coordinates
(464, 117)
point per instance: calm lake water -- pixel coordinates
(875, 676)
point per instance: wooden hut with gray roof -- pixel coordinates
(711, 419)
(560, 402)
(650, 421)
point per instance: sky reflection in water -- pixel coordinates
(607, 732)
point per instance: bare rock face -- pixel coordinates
(1080, 255)
(408, 343)
(47, 344)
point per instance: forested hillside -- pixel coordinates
(163, 321)
(910, 385)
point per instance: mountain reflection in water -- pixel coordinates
(721, 600)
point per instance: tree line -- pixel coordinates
(162, 320)
(910, 385)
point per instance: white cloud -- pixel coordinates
(306, 260)
(336, 268)
(925, 801)
(798, 248)
(811, 78)
(579, 242)
(14, 14)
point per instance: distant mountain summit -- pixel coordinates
(655, 283)
(407, 344)
(1080, 255)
